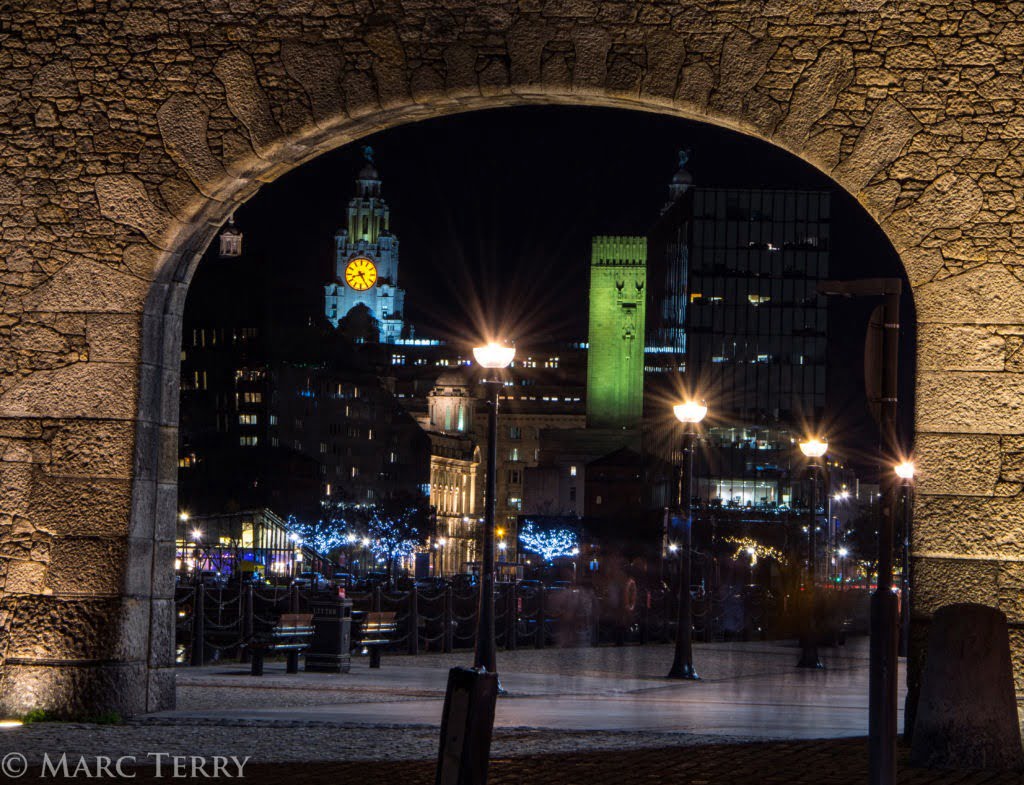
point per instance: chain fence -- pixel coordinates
(213, 623)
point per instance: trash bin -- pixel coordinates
(332, 636)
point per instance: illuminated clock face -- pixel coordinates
(361, 274)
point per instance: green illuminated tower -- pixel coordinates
(615, 360)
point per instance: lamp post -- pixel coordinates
(813, 448)
(905, 471)
(689, 414)
(493, 357)
(843, 553)
(831, 531)
(197, 538)
(441, 542)
(884, 651)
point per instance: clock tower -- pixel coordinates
(366, 260)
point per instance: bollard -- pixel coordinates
(538, 639)
(466, 727)
(293, 599)
(198, 657)
(967, 708)
(414, 621)
(449, 614)
(511, 618)
(247, 623)
(645, 608)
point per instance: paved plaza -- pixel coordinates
(592, 716)
(559, 701)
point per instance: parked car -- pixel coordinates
(465, 581)
(342, 580)
(404, 583)
(432, 585)
(311, 580)
(213, 579)
(253, 579)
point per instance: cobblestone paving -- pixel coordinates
(296, 738)
(789, 763)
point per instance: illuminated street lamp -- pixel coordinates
(905, 471)
(689, 413)
(813, 448)
(843, 553)
(830, 530)
(493, 357)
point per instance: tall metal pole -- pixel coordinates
(682, 664)
(908, 490)
(809, 655)
(882, 689)
(486, 647)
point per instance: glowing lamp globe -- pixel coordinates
(690, 411)
(814, 447)
(494, 355)
(904, 470)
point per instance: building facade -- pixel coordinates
(756, 329)
(366, 261)
(368, 448)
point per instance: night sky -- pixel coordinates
(494, 212)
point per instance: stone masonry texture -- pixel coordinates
(129, 131)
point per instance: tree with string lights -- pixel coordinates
(394, 528)
(549, 544)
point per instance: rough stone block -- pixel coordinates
(92, 448)
(987, 294)
(970, 402)
(54, 629)
(114, 337)
(956, 347)
(968, 526)
(85, 389)
(957, 464)
(72, 506)
(88, 565)
(938, 582)
(75, 690)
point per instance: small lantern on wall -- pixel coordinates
(230, 240)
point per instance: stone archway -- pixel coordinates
(132, 134)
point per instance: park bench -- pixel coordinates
(292, 633)
(378, 630)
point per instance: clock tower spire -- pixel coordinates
(366, 259)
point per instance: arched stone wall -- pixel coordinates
(130, 134)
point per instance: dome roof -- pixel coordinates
(454, 377)
(682, 177)
(369, 172)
